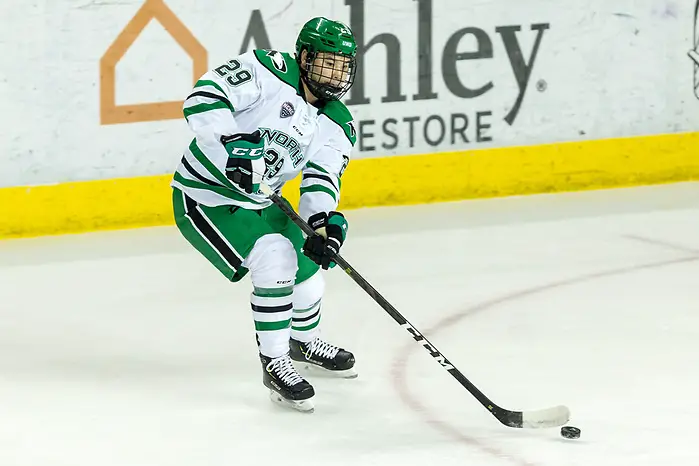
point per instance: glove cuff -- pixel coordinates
(335, 232)
(337, 220)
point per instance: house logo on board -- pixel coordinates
(151, 10)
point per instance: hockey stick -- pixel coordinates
(550, 417)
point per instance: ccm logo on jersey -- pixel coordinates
(244, 152)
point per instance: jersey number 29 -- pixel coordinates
(233, 74)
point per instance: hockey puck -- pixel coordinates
(570, 432)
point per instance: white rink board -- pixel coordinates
(602, 69)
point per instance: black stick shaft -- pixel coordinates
(509, 418)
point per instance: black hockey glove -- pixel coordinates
(246, 164)
(331, 230)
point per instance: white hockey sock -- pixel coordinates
(272, 264)
(272, 310)
(307, 303)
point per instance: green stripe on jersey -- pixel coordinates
(206, 82)
(210, 167)
(317, 167)
(201, 108)
(318, 188)
(321, 169)
(220, 190)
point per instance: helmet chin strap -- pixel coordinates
(308, 84)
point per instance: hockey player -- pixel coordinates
(264, 117)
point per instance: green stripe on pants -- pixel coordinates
(240, 229)
(195, 238)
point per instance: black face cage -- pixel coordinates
(329, 82)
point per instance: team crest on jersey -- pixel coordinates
(287, 110)
(277, 60)
(353, 131)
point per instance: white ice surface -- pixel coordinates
(128, 349)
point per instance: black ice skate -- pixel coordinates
(324, 357)
(287, 387)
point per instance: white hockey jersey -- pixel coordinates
(261, 90)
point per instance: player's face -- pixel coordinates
(330, 68)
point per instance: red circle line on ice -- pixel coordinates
(400, 362)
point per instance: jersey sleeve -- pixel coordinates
(221, 92)
(322, 177)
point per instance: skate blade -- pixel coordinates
(314, 370)
(304, 406)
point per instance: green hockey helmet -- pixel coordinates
(330, 63)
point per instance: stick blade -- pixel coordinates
(545, 418)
